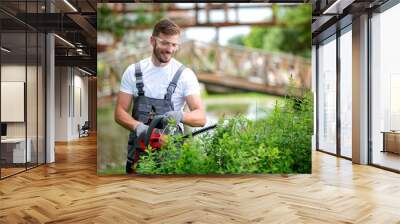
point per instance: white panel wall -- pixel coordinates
(71, 94)
(61, 103)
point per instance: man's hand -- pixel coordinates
(173, 115)
(163, 139)
(141, 131)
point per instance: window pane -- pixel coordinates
(15, 151)
(22, 79)
(386, 89)
(327, 96)
(346, 94)
(31, 97)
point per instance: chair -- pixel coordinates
(84, 130)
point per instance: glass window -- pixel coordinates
(346, 93)
(31, 96)
(385, 84)
(327, 96)
(22, 89)
(14, 148)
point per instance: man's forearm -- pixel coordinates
(125, 119)
(195, 118)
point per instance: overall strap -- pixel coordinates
(139, 79)
(173, 83)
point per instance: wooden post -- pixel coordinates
(196, 11)
(226, 12)
(217, 50)
(208, 6)
(237, 12)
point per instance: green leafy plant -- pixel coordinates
(280, 143)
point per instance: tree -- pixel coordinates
(119, 24)
(294, 36)
(237, 40)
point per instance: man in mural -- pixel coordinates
(157, 85)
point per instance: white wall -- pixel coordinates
(71, 94)
(13, 73)
(61, 103)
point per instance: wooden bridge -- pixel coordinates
(236, 68)
(246, 69)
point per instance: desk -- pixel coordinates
(391, 141)
(16, 147)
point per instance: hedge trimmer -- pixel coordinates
(157, 130)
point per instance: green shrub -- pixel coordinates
(280, 143)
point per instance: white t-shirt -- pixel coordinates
(156, 81)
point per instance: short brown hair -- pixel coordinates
(167, 27)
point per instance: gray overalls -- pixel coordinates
(144, 108)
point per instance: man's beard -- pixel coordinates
(157, 54)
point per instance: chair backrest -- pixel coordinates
(86, 125)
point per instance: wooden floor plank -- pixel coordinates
(69, 191)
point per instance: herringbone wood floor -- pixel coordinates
(69, 191)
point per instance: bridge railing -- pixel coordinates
(273, 69)
(252, 65)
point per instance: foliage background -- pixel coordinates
(294, 38)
